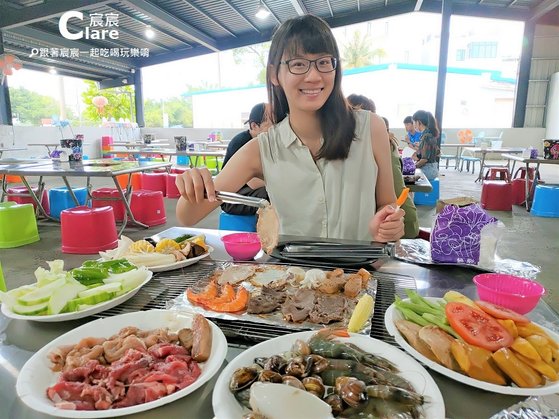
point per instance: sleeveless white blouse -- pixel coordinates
(333, 199)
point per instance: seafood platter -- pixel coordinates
(328, 373)
(289, 296)
(161, 254)
(477, 343)
(123, 364)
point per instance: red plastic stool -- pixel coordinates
(502, 172)
(171, 187)
(496, 195)
(87, 230)
(424, 233)
(519, 185)
(115, 202)
(20, 194)
(154, 182)
(148, 207)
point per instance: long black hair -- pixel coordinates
(312, 35)
(427, 119)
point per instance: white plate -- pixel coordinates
(36, 375)
(393, 314)
(180, 264)
(226, 406)
(62, 317)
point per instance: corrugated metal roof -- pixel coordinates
(185, 28)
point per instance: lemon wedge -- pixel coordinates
(167, 246)
(361, 313)
(142, 246)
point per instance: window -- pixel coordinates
(482, 50)
(460, 55)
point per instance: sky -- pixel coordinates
(169, 79)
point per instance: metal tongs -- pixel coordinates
(329, 250)
(235, 198)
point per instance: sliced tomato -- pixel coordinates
(477, 327)
(501, 312)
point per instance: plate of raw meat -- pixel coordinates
(121, 365)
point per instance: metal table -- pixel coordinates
(164, 153)
(104, 168)
(23, 338)
(528, 161)
(421, 185)
(4, 149)
(485, 151)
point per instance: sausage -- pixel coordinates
(202, 339)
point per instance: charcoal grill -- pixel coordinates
(166, 286)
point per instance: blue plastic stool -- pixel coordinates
(237, 222)
(60, 199)
(428, 198)
(546, 201)
(183, 160)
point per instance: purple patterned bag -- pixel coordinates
(456, 234)
(408, 166)
(533, 153)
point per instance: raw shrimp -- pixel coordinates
(399, 395)
(227, 295)
(321, 343)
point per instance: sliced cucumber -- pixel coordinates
(109, 288)
(62, 295)
(30, 310)
(41, 295)
(73, 305)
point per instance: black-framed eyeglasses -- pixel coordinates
(302, 65)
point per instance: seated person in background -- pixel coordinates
(413, 136)
(428, 151)
(362, 102)
(411, 223)
(258, 122)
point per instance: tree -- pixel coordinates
(30, 107)
(258, 53)
(121, 102)
(358, 51)
(178, 110)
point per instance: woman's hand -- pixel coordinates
(387, 225)
(195, 185)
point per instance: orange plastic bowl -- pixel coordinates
(242, 246)
(513, 292)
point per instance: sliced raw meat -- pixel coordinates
(267, 301)
(298, 305)
(328, 308)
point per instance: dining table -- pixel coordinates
(527, 161)
(7, 149)
(485, 151)
(22, 338)
(418, 182)
(194, 155)
(102, 168)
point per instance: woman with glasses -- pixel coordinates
(326, 167)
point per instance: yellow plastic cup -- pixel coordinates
(2, 282)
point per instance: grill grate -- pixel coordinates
(166, 286)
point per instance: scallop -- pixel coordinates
(297, 272)
(278, 401)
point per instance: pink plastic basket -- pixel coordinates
(513, 292)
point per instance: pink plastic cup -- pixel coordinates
(242, 246)
(513, 292)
